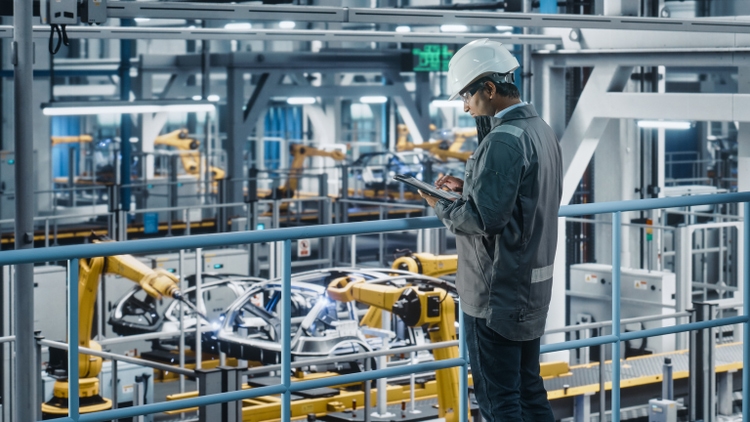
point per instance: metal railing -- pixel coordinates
(286, 235)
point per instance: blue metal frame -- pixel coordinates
(73, 253)
(616, 253)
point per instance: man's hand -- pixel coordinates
(431, 200)
(450, 183)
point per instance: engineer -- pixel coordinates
(506, 233)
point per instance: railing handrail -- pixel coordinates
(286, 235)
(61, 253)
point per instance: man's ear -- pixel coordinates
(491, 89)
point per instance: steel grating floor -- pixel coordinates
(636, 371)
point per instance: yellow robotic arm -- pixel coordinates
(416, 307)
(439, 149)
(454, 150)
(299, 153)
(181, 140)
(57, 140)
(444, 154)
(427, 264)
(156, 283)
(402, 143)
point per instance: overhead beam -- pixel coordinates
(670, 57)
(592, 116)
(150, 33)
(177, 10)
(340, 61)
(585, 128)
(676, 106)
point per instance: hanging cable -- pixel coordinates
(62, 38)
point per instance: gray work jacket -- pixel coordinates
(506, 223)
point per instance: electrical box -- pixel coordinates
(643, 293)
(185, 194)
(7, 188)
(171, 262)
(226, 261)
(50, 301)
(128, 374)
(59, 12)
(94, 12)
(662, 411)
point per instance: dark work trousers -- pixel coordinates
(507, 383)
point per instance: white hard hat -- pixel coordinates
(476, 59)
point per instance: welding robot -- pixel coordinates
(299, 154)
(417, 306)
(156, 283)
(426, 263)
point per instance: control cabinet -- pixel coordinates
(643, 293)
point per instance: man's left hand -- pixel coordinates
(431, 200)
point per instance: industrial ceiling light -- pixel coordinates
(447, 104)
(403, 28)
(141, 20)
(453, 28)
(213, 98)
(300, 100)
(373, 99)
(238, 25)
(664, 124)
(504, 28)
(287, 24)
(124, 107)
(197, 98)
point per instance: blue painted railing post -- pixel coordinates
(463, 378)
(616, 253)
(73, 334)
(746, 331)
(286, 329)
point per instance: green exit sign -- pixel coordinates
(432, 58)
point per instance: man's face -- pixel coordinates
(479, 104)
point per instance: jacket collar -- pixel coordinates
(485, 124)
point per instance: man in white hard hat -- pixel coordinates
(506, 233)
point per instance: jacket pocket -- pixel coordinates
(485, 258)
(527, 218)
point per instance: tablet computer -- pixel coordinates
(426, 187)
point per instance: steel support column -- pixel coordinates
(125, 123)
(25, 395)
(231, 381)
(209, 382)
(703, 374)
(242, 118)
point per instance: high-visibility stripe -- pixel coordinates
(513, 130)
(542, 274)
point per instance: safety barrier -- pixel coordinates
(286, 235)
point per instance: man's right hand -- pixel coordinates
(451, 183)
